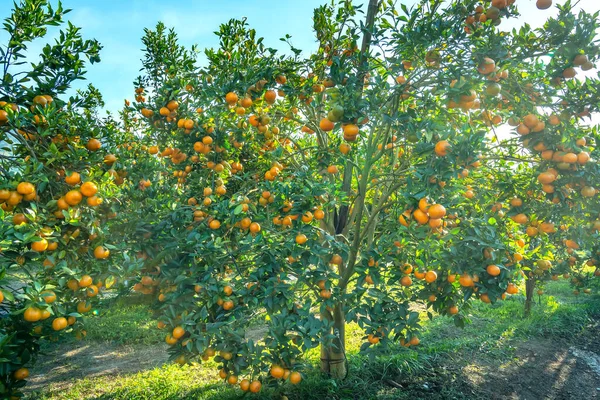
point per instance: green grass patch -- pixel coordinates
(125, 321)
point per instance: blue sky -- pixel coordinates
(119, 24)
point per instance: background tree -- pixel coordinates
(54, 189)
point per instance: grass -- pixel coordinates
(433, 371)
(125, 321)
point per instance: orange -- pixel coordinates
(73, 197)
(214, 224)
(231, 98)
(277, 372)
(83, 307)
(319, 214)
(245, 385)
(436, 211)
(465, 280)
(40, 245)
(326, 125)
(493, 270)
(48, 296)
(255, 387)
(92, 291)
(85, 281)
(350, 130)
(295, 378)
(178, 332)
(420, 216)
(512, 289)
(254, 227)
(59, 323)
(270, 96)
(170, 339)
(88, 189)
(100, 252)
(32, 314)
(25, 188)
(94, 201)
(93, 145)
(73, 179)
(406, 281)
(21, 373)
(301, 238)
(430, 276)
(442, 147)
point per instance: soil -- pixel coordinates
(540, 369)
(59, 365)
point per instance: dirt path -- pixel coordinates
(540, 369)
(61, 364)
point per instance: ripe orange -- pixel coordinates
(73, 179)
(73, 197)
(420, 216)
(465, 280)
(40, 246)
(32, 314)
(319, 214)
(254, 227)
(93, 145)
(453, 310)
(21, 373)
(214, 224)
(91, 291)
(442, 148)
(301, 238)
(270, 96)
(100, 252)
(59, 323)
(430, 276)
(277, 372)
(512, 289)
(231, 98)
(493, 270)
(245, 385)
(25, 188)
(178, 332)
(295, 378)
(326, 125)
(350, 130)
(170, 340)
(255, 387)
(88, 189)
(85, 281)
(83, 307)
(406, 281)
(436, 211)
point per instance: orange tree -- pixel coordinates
(55, 192)
(355, 184)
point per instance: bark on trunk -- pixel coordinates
(529, 289)
(333, 354)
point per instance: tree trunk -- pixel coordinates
(529, 288)
(333, 354)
